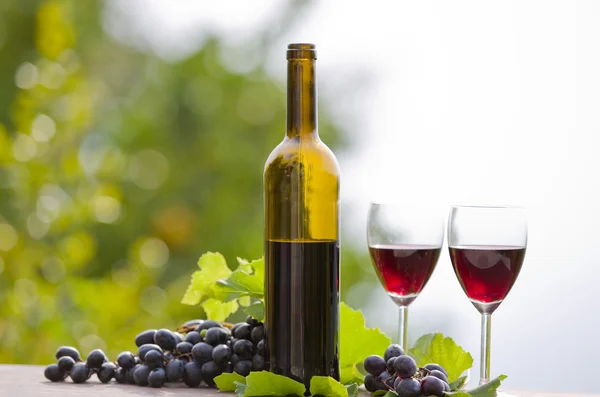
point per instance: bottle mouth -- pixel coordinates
(301, 51)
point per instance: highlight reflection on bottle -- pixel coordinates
(301, 187)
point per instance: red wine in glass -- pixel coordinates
(404, 269)
(487, 272)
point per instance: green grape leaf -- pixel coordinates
(213, 267)
(357, 342)
(247, 280)
(219, 311)
(244, 265)
(240, 388)
(457, 384)
(435, 348)
(256, 310)
(489, 389)
(227, 381)
(266, 383)
(352, 390)
(327, 386)
(380, 393)
(391, 394)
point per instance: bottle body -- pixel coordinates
(301, 193)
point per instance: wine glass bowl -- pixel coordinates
(404, 244)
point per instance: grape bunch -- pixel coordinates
(196, 353)
(398, 372)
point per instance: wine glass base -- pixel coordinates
(485, 308)
(403, 300)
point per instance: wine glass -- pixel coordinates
(487, 247)
(405, 244)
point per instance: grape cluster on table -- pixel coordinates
(201, 351)
(399, 372)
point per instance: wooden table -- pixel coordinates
(29, 381)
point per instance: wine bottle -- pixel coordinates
(302, 259)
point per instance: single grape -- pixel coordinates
(130, 372)
(95, 359)
(192, 374)
(120, 375)
(258, 363)
(257, 333)
(208, 324)
(432, 386)
(54, 374)
(393, 351)
(203, 333)
(228, 368)
(144, 349)
(193, 323)
(260, 347)
(374, 365)
(157, 377)
(80, 373)
(243, 367)
(231, 342)
(193, 337)
(253, 322)
(145, 337)
(154, 359)
(408, 387)
(68, 351)
(178, 337)
(126, 360)
(216, 336)
(65, 363)
(390, 365)
(221, 354)
(236, 327)
(446, 387)
(244, 331)
(370, 383)
(234, 359)
(165, 339)
(140, 375)
(174, 371)
(211, 370)
(439, 374)
(202, 352)
(184, 347)
(243, 348)
(433, 367)
(106, 372)
(405, 366)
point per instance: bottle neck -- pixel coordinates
(301, 98)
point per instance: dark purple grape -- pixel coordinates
(260, 347)
(165, 339)
(144, 349)
(221, 354)
(140, 374)
(433, 367)
(408, 387)
(178, 337)
(439, 374)
(126, 360)
(184, 348)
(244, 331)
(432, 386)
(202, 352)
(106, 372)
(174, 371)
(68, 351)
(65, 363)
(257, 333)
(193, 337)
(252, 321)
(145, 337)
(374, 365)
(258, 363)
(130, 372)
(208, 324)
(390, 365)
(54, 374)
(80, 373)
(210, 371)
(234, 359)
(236, 327)
(95, 359)
(370, 383)
(154, 359)
(157, 377)
(405, 366)
(192, 374)
(216, 336)
(120, 375)
(243, 367)
(393, 351)
(243, 348)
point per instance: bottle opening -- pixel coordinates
(301, 51)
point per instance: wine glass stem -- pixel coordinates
(403, 328)
(486, 337)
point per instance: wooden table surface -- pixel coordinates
(29, 381)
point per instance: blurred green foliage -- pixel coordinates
(117, 171)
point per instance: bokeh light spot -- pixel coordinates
(148, 169)
(91, 342)
(52, 74)
(1, 265)
(154, 252)
(125, 277)
(82, 328)
(24, 148)
(43, 128)
(8, 237)
(154, 300)
(53, 269)
(36, 227)
(26, 76)
(107, 209)
(25, 292)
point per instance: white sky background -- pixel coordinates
(458, 102)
